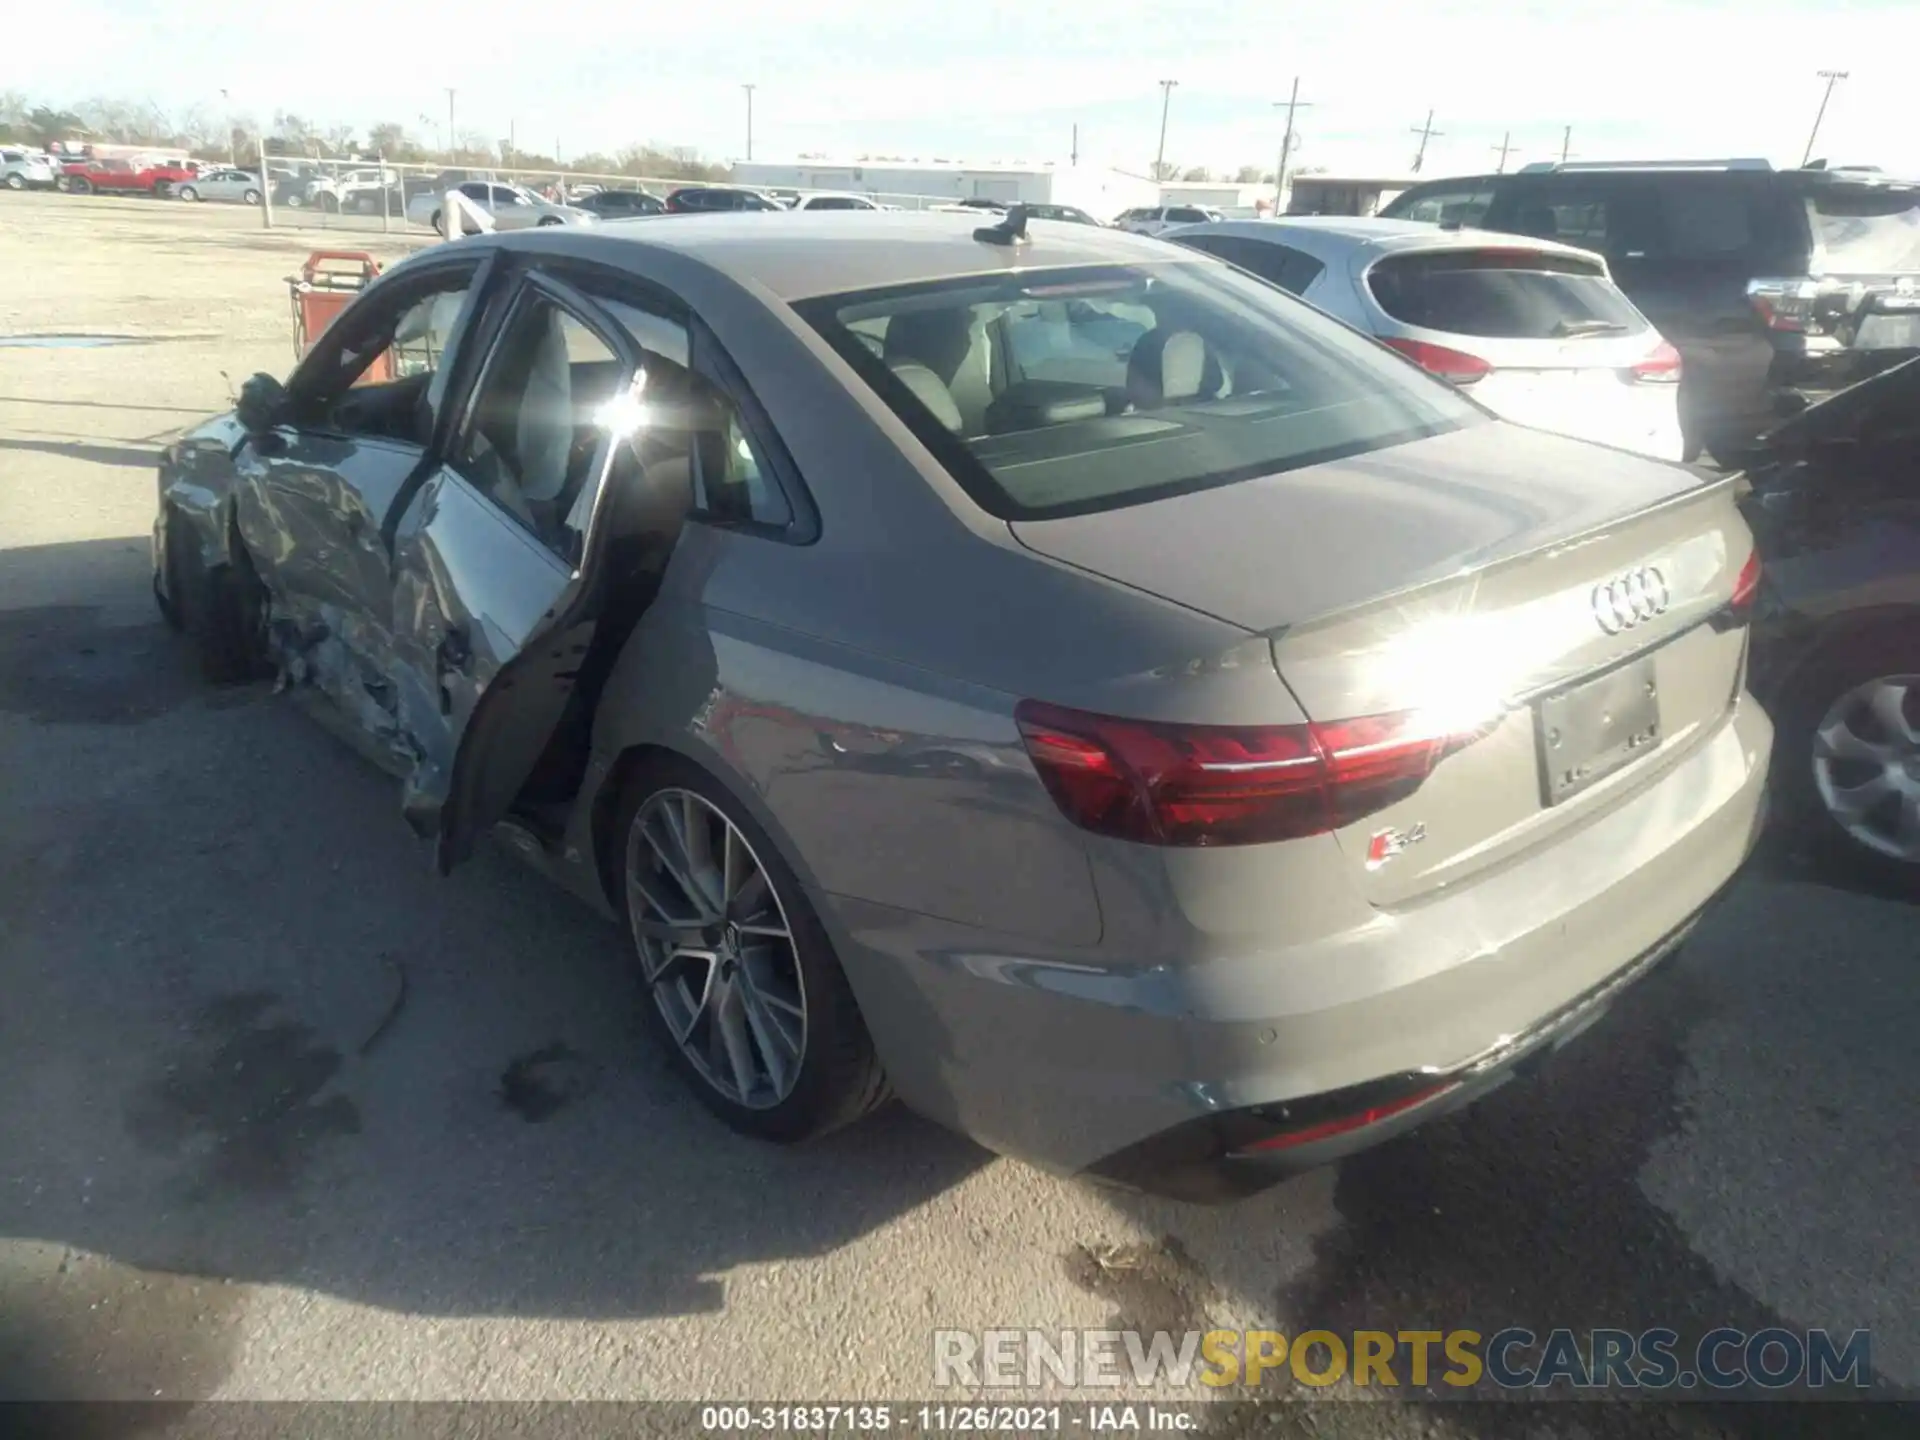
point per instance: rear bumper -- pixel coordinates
(1160, 1072)
(1222, 1157)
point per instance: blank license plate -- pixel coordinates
(1590, 731)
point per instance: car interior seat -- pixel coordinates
(953, 346)
(1170, 367)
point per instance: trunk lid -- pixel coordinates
(1463, 578)
(1275, 551)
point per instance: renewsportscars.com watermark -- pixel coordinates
(1513, 1359)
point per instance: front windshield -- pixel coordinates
(1065, 391)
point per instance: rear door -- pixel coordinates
(495, 574)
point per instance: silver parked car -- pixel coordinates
(511, 206)
(1534, 330)
(1063, 682)
(240, 187)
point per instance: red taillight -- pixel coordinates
(1746, 585)
(1160, 784)
(1347, 1124)
(1662, 367)
(1455, 365)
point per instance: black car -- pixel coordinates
(1072, 214)
(1777, 286)
(1834, 503)
(705, 199)
(618, 204)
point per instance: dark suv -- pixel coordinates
(705, 199)
(1777, 286)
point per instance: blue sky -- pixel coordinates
(1008, 79)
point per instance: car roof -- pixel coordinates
(1329, 235)
(804, 253)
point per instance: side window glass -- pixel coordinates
(1446, 207)
(732, 481)
(1613, 219)
(535, 430)
(474, 191)
(372, 378)
(1706, 221)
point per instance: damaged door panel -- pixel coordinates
(496, 576)
(315, 487)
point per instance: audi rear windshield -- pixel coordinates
(1059, 392)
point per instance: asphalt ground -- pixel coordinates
(287, 1117)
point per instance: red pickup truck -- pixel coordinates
(122, 177)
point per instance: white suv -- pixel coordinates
(1152, 219)
(27, 170)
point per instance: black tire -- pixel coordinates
(187, 193)
(221, 609)
(250, 197)
(840, 1079)
(79, 185)
(548, 220)
(16, 181)
(330, 204)
(1842, 664)
(434, 224)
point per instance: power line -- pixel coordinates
(1505, 147)
(1426, 132)
(1566, 144)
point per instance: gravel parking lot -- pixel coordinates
(288, 1117)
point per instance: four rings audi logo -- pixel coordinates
(1631, 599)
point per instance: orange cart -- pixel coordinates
(326, 285)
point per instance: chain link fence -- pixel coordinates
(376, 195)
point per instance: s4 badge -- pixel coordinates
(1386, 844)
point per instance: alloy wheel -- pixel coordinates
(1866, 765)
(716, 950)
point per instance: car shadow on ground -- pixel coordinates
(249, 1037)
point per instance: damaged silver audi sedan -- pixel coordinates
(1035, 671)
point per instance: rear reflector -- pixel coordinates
(1746, 585)
(1660, 368)
(1347, 1124)
(1454, 365)
(1160, 784)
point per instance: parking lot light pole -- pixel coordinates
(749, 89)
(233, 158)
(1832, 77)
(1160, 157)
(266, 182)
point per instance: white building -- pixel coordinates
(1099, 190)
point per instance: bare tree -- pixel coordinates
(1251, 175)
(1198, 173)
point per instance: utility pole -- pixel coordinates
(513, 136)
(1294, 102)
(452, 134)
(1426, 132)
(1566, 144)
(749, 90)
(1505, 147)
(1832, 77)
(1160, 157)
(1073, 156)
(233, 158)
